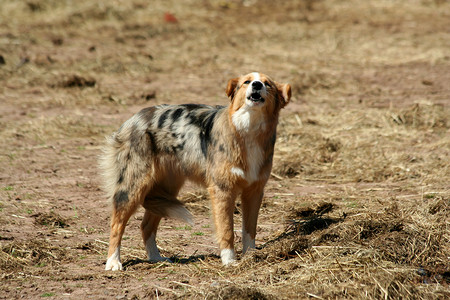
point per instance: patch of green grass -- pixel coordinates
(88, 230)
(48, 295)
(198, 233)
(8, 188)
(206, 226)
(74, 208)
(40, 265)
(429, 196)
(27, 196)
(351, 203)
(185, 227)
(81, 148)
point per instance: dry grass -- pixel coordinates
(358, 206)
(378, 255)
(366, 145)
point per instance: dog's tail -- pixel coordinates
(169, 207)
(127, 169)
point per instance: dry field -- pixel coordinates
(358, 205)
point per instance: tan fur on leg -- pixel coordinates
(223, 208)
(149, 227)
(119, 220)
(251, 202)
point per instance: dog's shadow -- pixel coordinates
(309, 221)
(173, 260)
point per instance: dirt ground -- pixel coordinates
(358, 205)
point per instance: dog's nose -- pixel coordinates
(257, 85)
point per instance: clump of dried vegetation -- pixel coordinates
(17, 256)
(51, 219)
(390, 253)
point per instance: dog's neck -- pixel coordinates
(252, 128)
(249, 122)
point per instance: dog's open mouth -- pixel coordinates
(256, 97)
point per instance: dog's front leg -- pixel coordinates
(251, 202)
(222, 209)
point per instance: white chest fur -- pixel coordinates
(250, 121)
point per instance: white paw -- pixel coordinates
(228, 257)
(113, 262)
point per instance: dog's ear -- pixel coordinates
(231, 87)
(284, 91)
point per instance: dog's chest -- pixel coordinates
(250, 124)
(255, 156)
(254, 160)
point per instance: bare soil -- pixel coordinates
(358, 205)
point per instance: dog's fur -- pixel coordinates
(227, 149)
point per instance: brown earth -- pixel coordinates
(359, 202)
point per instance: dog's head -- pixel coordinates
(257, 95)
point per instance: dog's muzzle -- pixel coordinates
(257, 90)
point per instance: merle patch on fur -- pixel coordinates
(205, 134)
(153, 146)
(176, 114)
(121, 197)
(121, 175)
(163, 118)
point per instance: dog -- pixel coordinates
(227, 149)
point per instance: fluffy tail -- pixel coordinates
(169, 208)
(116, 168)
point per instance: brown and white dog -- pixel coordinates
(227, 149)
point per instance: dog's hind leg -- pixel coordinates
(125, 203)
(161, 202)
(149, 227)
(119, 219)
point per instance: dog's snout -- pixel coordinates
(257, 85)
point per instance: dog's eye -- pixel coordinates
(247, 82)
(267, 84)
